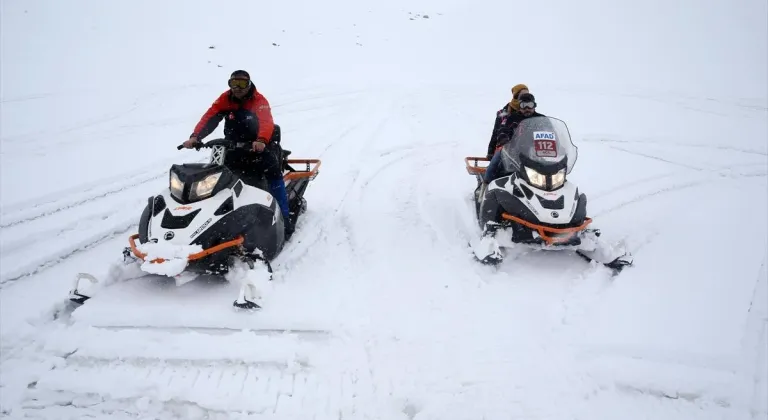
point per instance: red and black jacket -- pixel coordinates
(247, 119)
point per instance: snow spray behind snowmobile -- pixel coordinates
(208, 219)
(534, 204)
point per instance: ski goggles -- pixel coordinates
(527, 105)
(239, 83)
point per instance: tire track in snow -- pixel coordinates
(755, 345)
(325, 227)
(38, 265)
(76, 197)
(57, 207)
(138, 102)
(681, 144)
(707, 175)
(20, 244)
(189, 391)
(209, 372)
(672, 188)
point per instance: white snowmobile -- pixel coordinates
(208, 220)
(531, 203)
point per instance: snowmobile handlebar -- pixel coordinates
(228, 144)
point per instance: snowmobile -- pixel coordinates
(532, 203)
(208, 220)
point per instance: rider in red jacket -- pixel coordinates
(247, 118)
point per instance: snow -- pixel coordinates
(377, 309)
(173, 258)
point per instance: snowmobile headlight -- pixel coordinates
(537, 179)
(558, 179)
(205, 187)
(177, 187)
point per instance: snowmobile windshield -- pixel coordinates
(543, 143)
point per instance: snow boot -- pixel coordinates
(277, 188)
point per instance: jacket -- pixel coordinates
(247, 119)
(508, 126)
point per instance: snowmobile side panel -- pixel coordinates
(252, 195)
(261, 227)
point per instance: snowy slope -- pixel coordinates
(378, 310)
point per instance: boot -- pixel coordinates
(277, 188)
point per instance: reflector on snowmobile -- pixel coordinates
(310, 172)
(192, 257)
(476, 169)
(556, 235)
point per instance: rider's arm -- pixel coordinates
(211, 118)
(263, 113)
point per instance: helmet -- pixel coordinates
(240, 73)
(527, 98)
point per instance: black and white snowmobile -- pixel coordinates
(209, 220)
(532, 203)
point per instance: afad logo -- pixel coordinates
(543, 135)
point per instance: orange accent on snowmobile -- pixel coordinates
(475, 169)
(192, 257)
(308, 173)
(563, 234)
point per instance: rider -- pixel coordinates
(507, 127)
(508, 109)
(488, 250)
(248, 118)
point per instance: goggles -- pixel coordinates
(527, 105)
(239, 83)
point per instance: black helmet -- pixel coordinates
(527, 98)
(240, 73)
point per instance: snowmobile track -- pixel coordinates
(674, 188)
(65, 253)
(198, 390)
(270, 372)
(675, 143)
(48, 209)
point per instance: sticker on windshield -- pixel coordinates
(545, 148)
(544, 135)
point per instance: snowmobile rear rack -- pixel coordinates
(476, 169)
(550, 235)
(310, 172)
(192, 257)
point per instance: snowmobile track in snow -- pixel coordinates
(38, 211)
(64, 254)
(268, 372)
(199, 389)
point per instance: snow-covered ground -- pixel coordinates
(377, 309)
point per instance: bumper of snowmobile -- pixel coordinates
(192, 257)
(551, 235)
